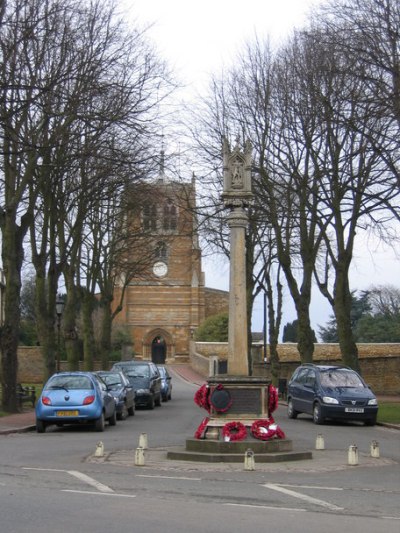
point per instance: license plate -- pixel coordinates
(354, 410)
(67, 413)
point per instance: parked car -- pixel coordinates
(122, 390)
(146, 380)
(75, 398)
(333, 392)
(166, 383)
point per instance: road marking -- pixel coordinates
(310, 487)
(171, 477)
(83, 477)
(99, 493)
(304, 497)
(43, 469)
(265, 507)
(90, 481)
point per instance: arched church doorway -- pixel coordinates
(158, 350)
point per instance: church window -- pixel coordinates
(170, 216)
(150, 217)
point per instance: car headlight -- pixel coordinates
(373, 401)
(328, 399)
(143, 391)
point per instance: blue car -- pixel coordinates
(75, 398)
(166, 383)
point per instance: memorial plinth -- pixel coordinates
(238, 404)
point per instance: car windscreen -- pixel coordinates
(340, 378)
(138, 371)
(70, 383)
(112, 379)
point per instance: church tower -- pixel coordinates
(166, 303)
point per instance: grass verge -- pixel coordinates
(389, 412)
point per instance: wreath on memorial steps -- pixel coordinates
(199, 433)
(266, 429)
(234, 431)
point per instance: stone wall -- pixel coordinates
(380, 363)
(31, 367)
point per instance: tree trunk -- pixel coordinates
(69, 322)
(12, 254)
(88, 333)
(342, 310)
(105, 341)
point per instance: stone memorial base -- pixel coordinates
(241, 399)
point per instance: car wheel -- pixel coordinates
(131, 410)
(158, 400)
(99, 424)
(370, 421)
(151, 403)
(164, 398)
(317, 414)
(113, 419)
(291, 412)
(169, 396)
(123, 415)
(40, 426)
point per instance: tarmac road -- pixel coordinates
(53, 482)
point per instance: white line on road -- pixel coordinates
(99, 493)
(265, 507)
(304, 497)
(90, 481)
(83, 477)
(310, 487)
(171, 477)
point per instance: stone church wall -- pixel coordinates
(216, 301)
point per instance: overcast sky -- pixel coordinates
(200, 38)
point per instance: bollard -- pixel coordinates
(375, 449)
(99, 451)
(353, 455)
(143, 441)
(139, 457)
(249, 463)
(320, 443)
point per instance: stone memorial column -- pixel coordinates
(236, 196)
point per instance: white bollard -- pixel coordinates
(320, 443)
(375, 449)
(249, 463)
(353, 455)
(99, 451)
(139, 457)
(143, 441)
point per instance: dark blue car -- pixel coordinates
(122, 391)
(146, 380)
(330, 392)
(75, 398)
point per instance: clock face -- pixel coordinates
(160, 269)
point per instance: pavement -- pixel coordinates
(25, 421)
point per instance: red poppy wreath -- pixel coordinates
(233, 431)
(266, 429)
